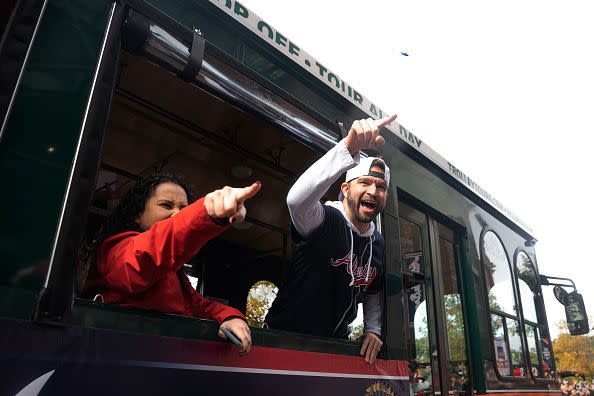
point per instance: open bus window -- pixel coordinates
(539, 356)
(502, 306)
(158, 123)
(356, 327)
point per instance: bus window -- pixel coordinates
(420, 338)
(456, 334)
(181, 129)
(501, 351)
(541, 364)
(509, 355)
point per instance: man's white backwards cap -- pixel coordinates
(363, 168)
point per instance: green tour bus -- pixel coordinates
(96, 94)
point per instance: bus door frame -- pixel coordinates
(436, 310)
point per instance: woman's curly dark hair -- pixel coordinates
(123, 217)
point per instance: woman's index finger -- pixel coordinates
(248, 192)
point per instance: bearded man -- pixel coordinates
(338, 258)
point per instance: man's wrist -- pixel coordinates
(373, 331)
(352, 151)
(355, 156)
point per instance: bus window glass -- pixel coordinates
(548, 367)
(411, 249)
(532, 351)
(507, 334)
(458, 363)
(497, 274)
(527, 285)
(501, 350)
(410, 237)
(538, 351)
(421, 335)
(515, 346)
(527, 298)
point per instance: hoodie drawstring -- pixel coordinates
(351, 261)
(370, 256)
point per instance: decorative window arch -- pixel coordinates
(503, 308)
(538, 347)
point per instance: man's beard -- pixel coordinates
(354, 205)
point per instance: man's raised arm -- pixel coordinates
(303, 200)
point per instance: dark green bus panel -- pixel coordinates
(39, 141)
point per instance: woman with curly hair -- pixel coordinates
(144, 243)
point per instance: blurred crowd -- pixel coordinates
(577, 388)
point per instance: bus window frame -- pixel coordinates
(539, 326)
(503, 315)
(33, 11)
(57, 303)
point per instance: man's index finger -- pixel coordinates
(385, 121)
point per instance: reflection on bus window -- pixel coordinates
(515, 347)
(527, 298)
(532, 351)
(421, 333)
(422, 381)
(539, 354)
(507, 335)
(497, 274)
(457, 359)
(527, 285)
(547, 356)
(501, 355)
(418, 334)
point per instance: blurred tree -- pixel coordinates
(355, 331)
(574, 353)
(259, 300)
(422, 346)
(455, 323)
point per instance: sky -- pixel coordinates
(503, 90)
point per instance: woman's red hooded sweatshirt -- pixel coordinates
(143, 270)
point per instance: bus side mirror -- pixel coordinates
(575, 313)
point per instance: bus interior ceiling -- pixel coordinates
(7, 7)
(159, 123)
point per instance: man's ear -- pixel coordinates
(344, 187)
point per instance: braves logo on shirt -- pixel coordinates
(359, 273)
